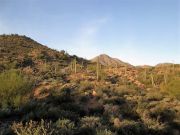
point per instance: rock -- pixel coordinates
(94, 93)
(117, 123)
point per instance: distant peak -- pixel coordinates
(106, 60)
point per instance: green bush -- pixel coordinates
(14, 88)
(172, 87)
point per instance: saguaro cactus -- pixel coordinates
(145, 74)
(82, 64)
(165, 77)
(116, 65)
(173, 69)
(75, 65)
(55, 68)
(97, 69)
(45, 64)
(125, 70)
(152, 80)
(71, 66)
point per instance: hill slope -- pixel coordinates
(20, 52)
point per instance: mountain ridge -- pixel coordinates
(106, 60)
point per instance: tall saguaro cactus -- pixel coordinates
(152, 80)
(71, 66)
(82, 64)
(125, 70)
(145, 74)
(75, 65)
(55, 68)
(97, 69)
(45, 64)
(165, 77)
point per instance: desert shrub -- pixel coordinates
(115, 100)
(14, 88)
(132, 128)
(111, 111)
(122, 90)
(27, 62)
(154, 96)
(84, 86)
(6, 131)
(6, 112)
(172, 87)
(86, 131)
(128, 111)
(113, 79)
(90, 122)
(54, 113)
(162, 114)
(65, 123)
(84, 99)
(33, 128)
(72, 107)
(64, 127)
(104, 132)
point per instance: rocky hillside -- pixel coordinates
(21, 52)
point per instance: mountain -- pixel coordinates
(106, 60)
(164, 64)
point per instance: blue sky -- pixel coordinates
(136, 31)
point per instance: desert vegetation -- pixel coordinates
(44, 91)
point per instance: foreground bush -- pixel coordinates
(33, 128)
(13, 89)
(64, 127)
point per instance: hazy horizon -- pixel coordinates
(139, 32)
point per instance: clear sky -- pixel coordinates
(136, 31)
